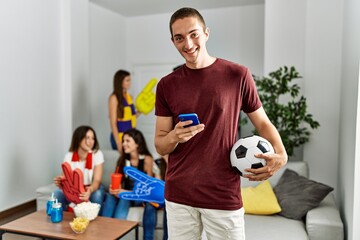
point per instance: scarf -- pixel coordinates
(88, 164)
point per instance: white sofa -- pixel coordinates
(321, 223)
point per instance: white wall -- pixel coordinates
(108, 54)
(302, 34)
(34, 118)
(231, 38)
(355, 232)
(79, 61)
(239, 36)
(285, 32)
(349, 147)
(44, 90)
(322, 86)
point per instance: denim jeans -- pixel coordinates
(112, 141)
(96, 197)
(119, 208)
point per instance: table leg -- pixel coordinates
(137, 233)
(1, 234)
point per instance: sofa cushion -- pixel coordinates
(260, 199)
(297, 194)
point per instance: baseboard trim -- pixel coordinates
(25, 207)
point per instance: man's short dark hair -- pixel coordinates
(183, 13)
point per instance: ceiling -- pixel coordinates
(129, 8)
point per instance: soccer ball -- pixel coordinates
(243, 151)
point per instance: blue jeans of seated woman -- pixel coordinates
(95, 197)
(119, 208)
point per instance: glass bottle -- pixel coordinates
(56, 212)
(49, 204)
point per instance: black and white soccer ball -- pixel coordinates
(243, 151)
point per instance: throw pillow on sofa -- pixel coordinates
(260, 199)
(297, 194)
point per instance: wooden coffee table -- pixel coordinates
(38, 224)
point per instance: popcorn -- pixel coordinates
(87, 210)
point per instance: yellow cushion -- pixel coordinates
(260, 199)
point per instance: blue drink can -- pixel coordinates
(49, 204)
(56, 213)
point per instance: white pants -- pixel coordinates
(187, 223)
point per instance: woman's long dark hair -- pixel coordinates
(139, 140)
(118, 90)
(79, 134)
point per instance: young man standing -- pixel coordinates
(202, 189)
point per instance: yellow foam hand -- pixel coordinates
(145, 101)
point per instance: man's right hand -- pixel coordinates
(183, 134)
(168, 137)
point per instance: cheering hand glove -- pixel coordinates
(72, 183)
(146, 188)
(145, 101)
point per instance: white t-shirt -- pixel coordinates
(97, 158)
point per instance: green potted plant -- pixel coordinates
(290, 117)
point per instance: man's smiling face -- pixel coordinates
(190, 37)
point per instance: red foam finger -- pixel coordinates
(73, 183)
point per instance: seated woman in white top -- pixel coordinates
(85, 155)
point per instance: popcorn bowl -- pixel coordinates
(87, 210)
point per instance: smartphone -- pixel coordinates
(189, 116)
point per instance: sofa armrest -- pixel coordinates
(42, 195)
(324, 222)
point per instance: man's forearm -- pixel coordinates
(272, 135)
(165, 144)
